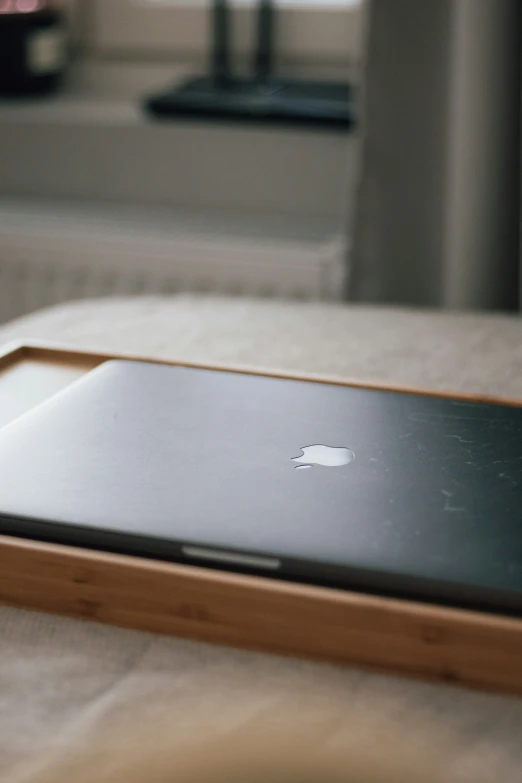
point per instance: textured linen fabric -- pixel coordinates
(60, 679)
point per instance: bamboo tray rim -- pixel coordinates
(49, 350)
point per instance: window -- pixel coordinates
(322, 32)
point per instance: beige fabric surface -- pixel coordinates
(60, 678)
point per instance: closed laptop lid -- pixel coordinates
(395, 493)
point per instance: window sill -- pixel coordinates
(93, 142)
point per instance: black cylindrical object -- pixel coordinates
(33, 47)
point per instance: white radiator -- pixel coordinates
(54, 252)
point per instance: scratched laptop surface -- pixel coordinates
(390, 493)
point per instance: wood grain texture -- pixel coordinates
(418, 640)
(469, 648)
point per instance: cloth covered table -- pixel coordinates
(59, 678)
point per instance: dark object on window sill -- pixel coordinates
(264, 99)
(310, 104)
(32, 49)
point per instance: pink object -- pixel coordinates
(22, 6)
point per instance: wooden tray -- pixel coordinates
(402, 637)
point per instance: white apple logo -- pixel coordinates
(326, 456)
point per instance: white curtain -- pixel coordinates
(437, 218)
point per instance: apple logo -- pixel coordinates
(326, 456)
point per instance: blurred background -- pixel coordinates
(339, 152)
(414, 201)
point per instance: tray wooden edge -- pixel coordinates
(255, 613)
(48, 351)
(387, 635)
